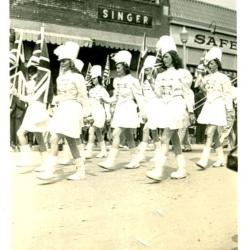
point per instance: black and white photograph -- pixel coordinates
(122, 129)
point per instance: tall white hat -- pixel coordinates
(96, 71)
(69, 50)
(165, 44)
(79, 64)
(212, 54)
(149, 62)
(123, 56)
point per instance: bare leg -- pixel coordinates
(40, 140)
(72, 142)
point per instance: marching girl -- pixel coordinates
(218, 105)
(67, 160)
(125, 118)
(151, 108)
(35, 120)
(67, 119)
(171, 86)
(100, 112)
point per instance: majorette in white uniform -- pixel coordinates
(72, 102)
(214, 112)
(35, 120)
(100, 110)
(151, 100)
(126, 89)
(73, 105)
(36, 117)
(97, 95)
(218, 90)
(152, 105)
(172, 88)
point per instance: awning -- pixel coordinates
(58, 34)
(55, 34)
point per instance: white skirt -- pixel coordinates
(67, 119)
(125, 115)
(36, 118)
(213, 113)
(173, 114)
(153, 113)
(99, 115)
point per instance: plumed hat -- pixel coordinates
(96, 71)
(69, 50)
(123, 56)
(165, 44)
(212, 54)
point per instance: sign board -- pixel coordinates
(205, 39)
(124, 16)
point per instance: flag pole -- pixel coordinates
(18, 55)
(139, 61)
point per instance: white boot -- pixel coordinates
(202, 163)
(220, 162)
(44, 156)
(157, 151)
(103, 152)
(181, 172)
(89, 151)
(157, 172)
(137, 157)
(81, 151)
(80, 170)
(110, 161)
(48, 167)
(25, 157)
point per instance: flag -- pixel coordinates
(88, 75)
(106, 73)
(40, 59)
(143, 54)
(158, 64)
(17, 67)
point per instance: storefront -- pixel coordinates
(103, 27)
(207, 25)
(100, 27)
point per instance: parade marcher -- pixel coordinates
(127, 90)
(35, 119)
(100, 110)
(72, 106)
(151, 108)
(217, 106)
(67, 160)
(171, 86)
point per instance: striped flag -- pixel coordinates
(106, 73)
(143, 54)
(88, 75)
(17, 67)
(40, 59)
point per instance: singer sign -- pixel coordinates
(124, 16)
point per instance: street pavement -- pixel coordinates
(123, 209)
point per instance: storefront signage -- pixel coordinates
(124, 16)
(213, 41)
